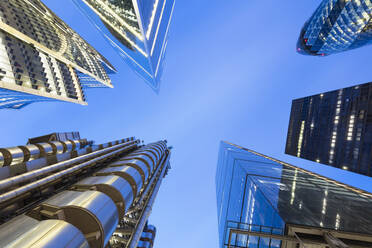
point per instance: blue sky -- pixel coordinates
(231, 73)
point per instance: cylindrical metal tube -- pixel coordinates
(2, 160)
(143, 244)
(58, 147)
(144, 158)
(128, 173)
(45, 170)
(34, 152)
(45, 148)
(24, 231)
(90, 211)
(12, 155)
(144, 167)
(20, 154)
(146, 213)
(118, 189)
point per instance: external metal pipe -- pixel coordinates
(21, 190)
(19, 154)
(144, 193)
(13, 181)
(146, 213)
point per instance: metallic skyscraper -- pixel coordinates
(57, 192)
(266, 203)
(137, 29)
(336, 26)
(42, 59)
(334, 128)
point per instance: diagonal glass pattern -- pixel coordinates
(138, 30)
(262, 196)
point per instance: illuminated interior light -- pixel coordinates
(300, 138)
(293, 187)
(337, 224)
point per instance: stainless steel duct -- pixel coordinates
(27, 232)
(126, 172)
(13, 181)
(92, 212)
(146, 213)
(41, 182)
(19, 154)
(94, 205)
(118, 189)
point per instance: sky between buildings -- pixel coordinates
(231, 73)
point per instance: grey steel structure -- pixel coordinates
(266, 203)
(75, 194)
(148, 237)
(43, 59)
(136, 29)
(334, 128)
(337, 26)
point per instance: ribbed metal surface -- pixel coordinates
(144, 244)
(19, 154)
(118, 189)
(27, 232)
(128, 173)
(89, 211)
(95, 204)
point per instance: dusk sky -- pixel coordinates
(231, 73)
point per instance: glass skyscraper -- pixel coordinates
(334, 128)
(137, 29)
(263, 202)
(42, 59)
(336, 26)
(60, 190)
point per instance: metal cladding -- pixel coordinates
(128, 173)
(20, 154)
(87, 214)
(28, 232)
(147, 237)
(93, 212)
(336, 26)
(118, 189)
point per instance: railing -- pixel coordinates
(239, 235)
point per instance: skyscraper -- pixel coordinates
(43, 59)
(334, 128)
(263, 202)
(147, 237)
(137, 30)
(57, 192)
(337, 26)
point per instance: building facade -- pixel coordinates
(43, 59)
(61, 192)
(334, 128)
(136, 29)
(263, 202)
(148, 237)
(337, 26)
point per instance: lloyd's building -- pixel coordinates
(137, 29)
(59, 190)
(43, 59)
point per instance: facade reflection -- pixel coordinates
(137, 30)
(263, 202)
(42, 59)
(336, 26)
(334, 128)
